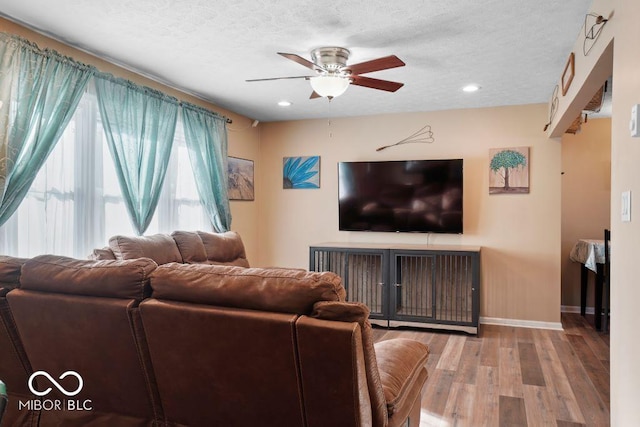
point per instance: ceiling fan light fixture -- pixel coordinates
(329, 86)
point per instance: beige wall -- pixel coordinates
(520, 234)
(244, 140)
(617, 52)
(586, 194)
(591, 70)
(625, 160)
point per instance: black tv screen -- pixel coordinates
(409, 196)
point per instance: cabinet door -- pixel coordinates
(457, 300)
(412, 286)
(363, 273)
(434, 287)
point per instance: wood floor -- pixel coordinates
(515, 376)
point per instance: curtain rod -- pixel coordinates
(98, 73)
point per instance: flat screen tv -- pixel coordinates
(401, 196)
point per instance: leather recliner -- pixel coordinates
(196, 344)
(15, 368)
(82, 316)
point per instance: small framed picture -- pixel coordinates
(301, 172)
(240, 172)
(568, 73)
(509, 170)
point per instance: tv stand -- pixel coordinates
(428, 286)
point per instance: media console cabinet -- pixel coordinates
(429, 286)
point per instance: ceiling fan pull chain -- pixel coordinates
(329, 119)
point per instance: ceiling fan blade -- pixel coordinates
(385, 63)
(300, 60)
(279, 78)
(314, 95)
(387, 85)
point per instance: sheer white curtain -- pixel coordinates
(75, 204)
(179, 207)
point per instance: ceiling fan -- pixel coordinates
(333, 75)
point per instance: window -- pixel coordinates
(75, 203)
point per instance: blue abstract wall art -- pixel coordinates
(301, 172)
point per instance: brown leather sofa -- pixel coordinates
(14, 365)
(189, 247)
(197, 345)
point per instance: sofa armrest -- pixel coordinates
(401, 363)
(102, 254)
(10, 270)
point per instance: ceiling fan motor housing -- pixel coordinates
(333, 59)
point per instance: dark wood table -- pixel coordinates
(590, 253)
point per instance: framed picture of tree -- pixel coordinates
(509, 170)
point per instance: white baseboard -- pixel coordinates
(534, 323)
(556, 326)
(575, 309)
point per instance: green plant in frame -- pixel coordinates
(509, 170)
(301, 172)
(507, 160)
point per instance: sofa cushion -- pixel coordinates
(275, 289)
(114, 279)
(190, 246)
(10, 268)
(223, 367)
(159, 247)
(224, 248)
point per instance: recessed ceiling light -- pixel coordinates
(284, 103)
(471, 88)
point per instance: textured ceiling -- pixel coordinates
(514, 49)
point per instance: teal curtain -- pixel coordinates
(39, 92)
(140, 125)
(206, 137)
